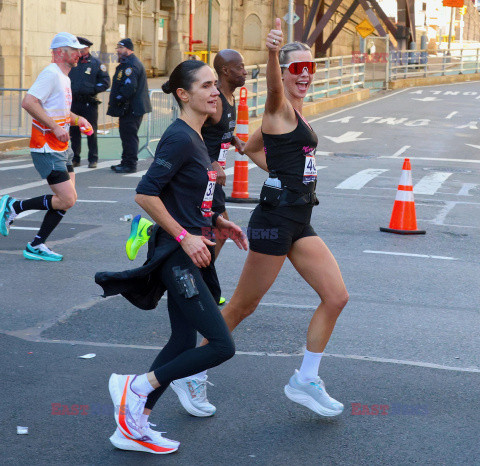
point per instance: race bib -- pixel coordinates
(310, 170)
(208, 197)
(222, 156)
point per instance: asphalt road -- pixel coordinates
(406, 345)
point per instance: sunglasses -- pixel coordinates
(297, 67)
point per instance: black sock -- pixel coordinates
(35, 203)
(51, 220)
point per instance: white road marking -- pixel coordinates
(17, 167)
(398, 153)
(450, 115)
(96, 201)
(12, 161)
(437, 159)
(465, 189)
(430, 184)
(349, 136)
(36, 184)
(423, 256)
(360, 179)
(24, 228)
(444, 211)
(230, 206)
(108, 187)
(425, 365)
(136, 175)
(319, 152)
(229, 171)
(470, 125)
(359, 105)
(427, 99)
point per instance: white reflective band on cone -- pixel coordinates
(404, 196)
(242, 129)
(406, 178)
(240, 158)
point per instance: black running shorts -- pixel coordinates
(269, 233)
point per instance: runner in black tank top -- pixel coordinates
(218, 135)
(280, 225)
(218, 138)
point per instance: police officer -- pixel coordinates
(129, 101)
(88, 78)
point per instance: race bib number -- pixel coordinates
(310, 170)
(208, 197)
(222, 156)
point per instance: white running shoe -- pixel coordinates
(151, 442)
(313, 395)
(128, 405)
(192, 393)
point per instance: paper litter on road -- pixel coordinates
(22, 430)
(87, 356)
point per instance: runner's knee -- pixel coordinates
(224, 348)
(336, 303)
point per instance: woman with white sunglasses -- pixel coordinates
(280, 226)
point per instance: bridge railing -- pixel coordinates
(334, 75)
(418, 63)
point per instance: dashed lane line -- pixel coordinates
(406, 254)
(401, 362)
(16, 167)
(36, 184)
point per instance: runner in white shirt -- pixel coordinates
(48, 101)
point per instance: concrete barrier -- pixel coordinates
(432, 80)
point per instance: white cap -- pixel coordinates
(65, 39)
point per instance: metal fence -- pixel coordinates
(417, 63)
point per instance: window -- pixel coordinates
(252, 32)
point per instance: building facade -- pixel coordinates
(160, 29)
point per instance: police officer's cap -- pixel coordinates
(127, 43)
(84, 41)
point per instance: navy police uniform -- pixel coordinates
(88, 78)
(129, 100)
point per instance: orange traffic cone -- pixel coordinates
(240, 173)
(404, 219)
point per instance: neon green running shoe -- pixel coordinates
(139, 235)
(221, 301)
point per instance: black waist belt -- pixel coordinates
(289, 197)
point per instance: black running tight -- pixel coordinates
(180, 357)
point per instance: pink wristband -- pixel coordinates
(181, 235)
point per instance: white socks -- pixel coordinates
(141, 385)
(309, 369)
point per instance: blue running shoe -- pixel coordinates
(4, 215)
(41, 253)
(139, 235)
(7, 214)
